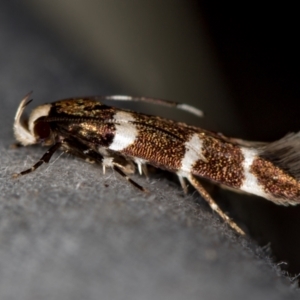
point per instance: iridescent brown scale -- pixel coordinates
(283, 187)
(159, 141)
(83, 119)
(224, 162)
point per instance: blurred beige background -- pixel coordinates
(149, 48)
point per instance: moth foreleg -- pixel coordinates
(117, 169)
(122, 163)
(44, 159)
(214, 206)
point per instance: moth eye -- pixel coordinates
(42, 130)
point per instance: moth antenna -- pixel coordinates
(285, 153)
(186, 107)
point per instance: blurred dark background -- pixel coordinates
(237, 62)
(258, 52)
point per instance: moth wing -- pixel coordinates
(285, 153)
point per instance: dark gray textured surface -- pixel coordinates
(65, 234)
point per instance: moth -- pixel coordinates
(123, 139)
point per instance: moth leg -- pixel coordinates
(117, 169)
(107, 162)
(144, 170)
(44, 159)
(214, 206)
(183, 184)
(142, 167)
(82, 151)
(126, 166)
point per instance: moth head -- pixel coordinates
(35, 129)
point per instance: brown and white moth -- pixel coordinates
(121, 139)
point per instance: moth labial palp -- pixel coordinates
(119, 139)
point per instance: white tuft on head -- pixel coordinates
(24, 133)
